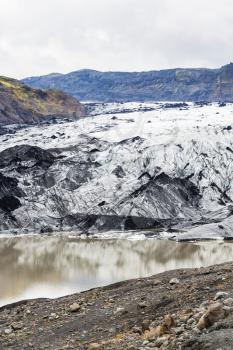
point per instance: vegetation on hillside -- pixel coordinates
(18, 101)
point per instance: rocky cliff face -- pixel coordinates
(168, 169)
(22, 104)
(164, 85)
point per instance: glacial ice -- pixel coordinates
(171, 167)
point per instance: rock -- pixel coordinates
(186, 314)
(8, 331)
(220, 295)
(156, 282)
(203, 323)
(227, 310)
(142, 305)
(94, 346)
(119, 310)
(155, 332)
(161, 341)
(174, 281)
(190, 321)
(180, 330)
(46, 229)
(113, 330)
(17, 325)
(196, 331)
(214, 313)
(146, 324)
(197, 316)
(228, 302)
(53, 316)
(136, 329)
(216, 340)
(169, 321)
(205, 304)
(146, 342)
(75, 307)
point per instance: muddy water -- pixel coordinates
(34, 266)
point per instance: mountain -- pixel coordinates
(20, 104)
(168, 169)
(164, 85)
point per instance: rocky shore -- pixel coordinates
(181, 309)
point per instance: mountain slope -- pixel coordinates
(22, 104)
(165, 85)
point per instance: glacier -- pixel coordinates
(159, 168)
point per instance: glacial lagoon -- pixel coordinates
(53, 266)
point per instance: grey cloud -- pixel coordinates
(38, 37)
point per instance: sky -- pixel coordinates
(41, 37)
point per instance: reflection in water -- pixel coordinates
(35, 266)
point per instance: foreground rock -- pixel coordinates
(147, 313)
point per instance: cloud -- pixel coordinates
(66, 35)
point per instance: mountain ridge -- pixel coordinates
(177, 84)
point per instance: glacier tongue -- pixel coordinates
(128, 166)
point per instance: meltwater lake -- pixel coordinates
(52, 266)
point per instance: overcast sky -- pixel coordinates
(40, 37)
